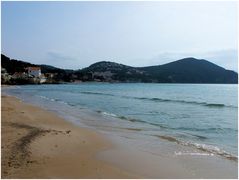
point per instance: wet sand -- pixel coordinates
(38, 144)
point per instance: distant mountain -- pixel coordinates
(191, 70)
(187, 70)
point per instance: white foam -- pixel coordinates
(108, 114)
(193, 154)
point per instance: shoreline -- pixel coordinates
(104, 155)
(38, 144)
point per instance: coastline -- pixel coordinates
(38, 144)
(56, 148)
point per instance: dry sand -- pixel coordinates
(38, 144)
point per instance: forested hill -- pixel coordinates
(191, 70)
(187, 70)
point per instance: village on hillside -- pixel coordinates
(31, 75)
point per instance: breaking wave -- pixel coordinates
(202, 147)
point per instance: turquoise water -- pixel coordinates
(201, 116)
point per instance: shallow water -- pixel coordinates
(198, 116)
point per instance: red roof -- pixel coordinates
(34, 68)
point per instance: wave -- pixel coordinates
(212, 105)
(209, 129)
(203, 147)
(132, 119)
(186, 135)
(163, 126)
(121, 117)
(216, 105)
(199, 136)
(107, 113)
(55, 100)
(47, 98)
(96, 93)
(191, 129)
(141, 121)
(70, 104)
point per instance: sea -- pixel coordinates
(194, 119)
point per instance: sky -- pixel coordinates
(74, 35)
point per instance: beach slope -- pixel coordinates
(38, 144)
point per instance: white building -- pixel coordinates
(34, 71)
(43, 78)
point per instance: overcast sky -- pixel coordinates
(76, 34)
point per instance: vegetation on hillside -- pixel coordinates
(188, 70)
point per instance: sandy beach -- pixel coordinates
(119, 90)
(38, 144)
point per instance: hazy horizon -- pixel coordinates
(73, 35)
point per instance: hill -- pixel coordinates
(111, 72)
(12, 66)
(191, 70)
(187, 70)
